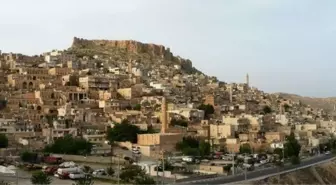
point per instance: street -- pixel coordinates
(257, 174)
(25, 180)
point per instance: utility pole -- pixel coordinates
(118, 169)
(245, 173)
(233, 163)
(17, 176)
(279, 175)
(163, 168)
(157, 170)
(283, 153)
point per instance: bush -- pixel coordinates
(3, 141)
(208, 110)
(179, 122)
(110, 171)
(267, 110)
(129, 173)
(228, 167)
(27, 156)
(245, 149)
(69, 145)
(40, 178)
(123, 132)
(295, 160)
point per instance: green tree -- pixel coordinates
(69, 145)
(123, 132)
(130, 173)
(187, 142)
(228, 167)
(332, 144)
(150, 130)
(27, 156)
(167, 166)
(179, 122)
(87, 169)
(191, 151)
(87, 180)
(295, 160)
(190, 146)
(292, 146)
(204, 148)
(3, 141)
(286, 107)
(40, 178)
(279, 151)
(145, 180)
(208, 110)
(4, 183)
(267, 109)
(245, 149)
(110, 171)
(137, 107)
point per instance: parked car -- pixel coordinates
(63, 173)
(76, 175)
(52, 160)
(99, 172)
(49, 170)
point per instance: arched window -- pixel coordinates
(30, 85)
(24, 85)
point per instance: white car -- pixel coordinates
(327, 152)
(99, 172)
(76, 175)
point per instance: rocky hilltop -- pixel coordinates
(137, 48)
(129, 45)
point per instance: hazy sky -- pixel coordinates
(285, 45)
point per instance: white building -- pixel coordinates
(282, 119)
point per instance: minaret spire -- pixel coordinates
(164, 117)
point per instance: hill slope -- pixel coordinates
(322, 103)
(321, 174)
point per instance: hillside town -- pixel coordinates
(126, 102)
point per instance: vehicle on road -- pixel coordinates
(99, 172)
(49, 170)
(63, 173)
(76, 175)
(52, 160)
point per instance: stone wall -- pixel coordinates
(91, 159)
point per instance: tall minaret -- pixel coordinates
(281, 109)
(230, 93)
(247, 80)
(164, 116)
(129, 66)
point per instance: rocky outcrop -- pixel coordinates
(128, 45)
(135, 47)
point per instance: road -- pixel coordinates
(259, 174)
(24, 179)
